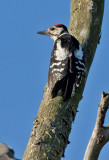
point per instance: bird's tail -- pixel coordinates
(58, 86)
(67, 87)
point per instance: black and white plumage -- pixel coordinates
(67, 62)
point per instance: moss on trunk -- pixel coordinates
(52, 125)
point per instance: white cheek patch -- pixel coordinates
(61, 53)
(58, 31)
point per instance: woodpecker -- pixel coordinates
(67, 62)
(6, 152)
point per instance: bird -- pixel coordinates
(6, 152)
(67, 62)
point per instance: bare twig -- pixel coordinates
(100, 135)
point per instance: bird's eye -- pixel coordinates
(52, 29)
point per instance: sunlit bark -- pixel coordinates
(52, 125)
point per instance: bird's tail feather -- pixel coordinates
(66, 85)
(58, 86)
(70, 86)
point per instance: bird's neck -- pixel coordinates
(63, 33)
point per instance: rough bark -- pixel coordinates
(52, 125)
(100, 135)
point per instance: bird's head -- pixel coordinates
(55, 31)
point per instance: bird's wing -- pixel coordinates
(76, 64)
(58, 65)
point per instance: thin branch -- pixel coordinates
(100, 135)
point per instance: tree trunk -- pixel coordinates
(52, 125)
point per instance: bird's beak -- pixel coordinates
(44, 32)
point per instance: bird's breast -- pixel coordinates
(60, 53)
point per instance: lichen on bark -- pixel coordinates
(52, 125)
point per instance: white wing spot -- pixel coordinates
(79, 53)
(79, 62)
(79, 68)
